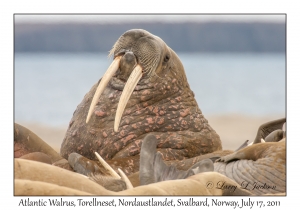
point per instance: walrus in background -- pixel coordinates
(36, 178)
(27, 145)
(260, 168)
(145, 90)
(271, 131)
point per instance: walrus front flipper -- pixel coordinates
(154, 169)
(83, 165)
(265, 129)
(147, 156)
(164, 172)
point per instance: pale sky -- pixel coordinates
(117, 18)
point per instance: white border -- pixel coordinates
(8, 8)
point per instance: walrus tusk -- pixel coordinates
(132, 81)
(125, 179)
(105, 79)
(107, 167)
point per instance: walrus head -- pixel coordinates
(145, 90)
(139, 57)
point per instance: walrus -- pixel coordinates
(36, 178)
(256, 152)
(256, 165)
(28, 145)
(270, 131)
(260, 168)
(144, 91)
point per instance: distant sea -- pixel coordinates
(48, 87)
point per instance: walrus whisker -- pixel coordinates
(107, 167)
(125, 179)
(103, 83)
(132, 81)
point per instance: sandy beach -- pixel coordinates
(233, 129)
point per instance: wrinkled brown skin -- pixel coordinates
(262, 164)
(28, 145)
(161, 104)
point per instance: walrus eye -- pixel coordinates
(166, 59)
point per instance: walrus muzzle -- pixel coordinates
(132, 81)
